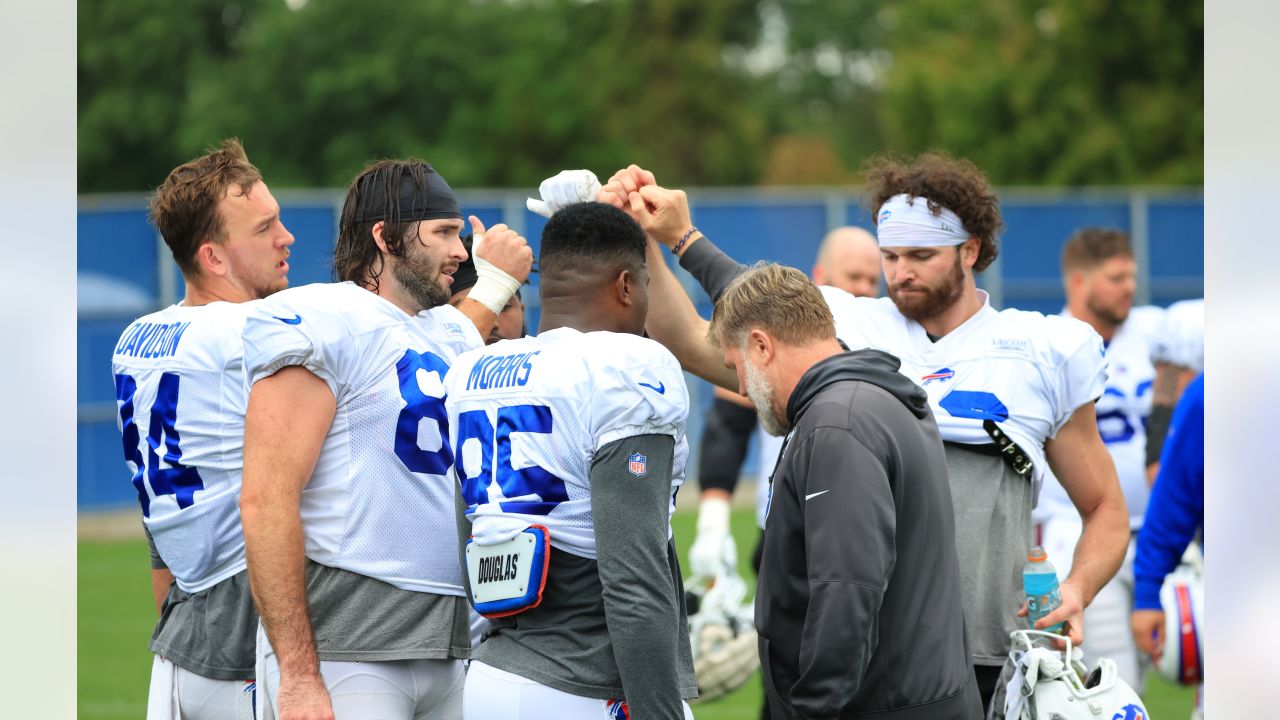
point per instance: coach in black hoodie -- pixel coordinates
(858, 605)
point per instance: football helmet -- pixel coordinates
(1182, 597)
(722, 633)
(1050, 684)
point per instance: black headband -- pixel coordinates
(435, 201)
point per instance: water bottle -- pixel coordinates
(1040, 581)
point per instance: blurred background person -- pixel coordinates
(1099, 277)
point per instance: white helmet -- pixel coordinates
(1055, 685)
(722, 633)
(1182, 597)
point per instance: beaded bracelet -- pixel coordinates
(684, 240)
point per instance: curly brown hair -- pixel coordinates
(954, 183)
(184, 209)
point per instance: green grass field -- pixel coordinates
(116, 615)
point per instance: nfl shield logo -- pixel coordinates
(637, 465)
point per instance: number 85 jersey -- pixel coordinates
(527, 416)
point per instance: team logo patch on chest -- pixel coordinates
(939, 375)
(637, 464)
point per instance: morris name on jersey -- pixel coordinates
(501, 371)
(527, 416)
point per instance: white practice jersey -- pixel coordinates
(527, 417)
(380, 501)
(1122, 411)
(1181, 339)
(181, 400)
(1026, 372)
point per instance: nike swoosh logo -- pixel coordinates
(290, 321)
(811, 496)
(660, 388)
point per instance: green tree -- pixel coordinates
(1057, 92)
(133, 64)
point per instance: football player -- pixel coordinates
(348, 506)
(1013, 392)
(181, 413)
(570, 448)
(1179, 357)
(1098, 272)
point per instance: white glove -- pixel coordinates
(724, 658)
(565, 188)
(723, 639)
(713, 553)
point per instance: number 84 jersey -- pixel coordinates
(527, 416)
(181, 404)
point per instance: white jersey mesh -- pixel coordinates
(380, 501)
(1181, 339)
(1027, 372)
(1122, 412)
(181, 403)
(593, 389)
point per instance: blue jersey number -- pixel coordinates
(1116, 426)
(533, 490)
(419, 406)
(162, 437)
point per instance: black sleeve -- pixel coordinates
(1157, 429)
(724, 444)
(632, 523)
(157, 562)
(850, 520)
(708, 264)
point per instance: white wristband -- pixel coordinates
(493, 287)
(713, 516)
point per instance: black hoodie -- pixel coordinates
(858, 605)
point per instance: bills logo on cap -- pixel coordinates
(943, 374)
(637, 464)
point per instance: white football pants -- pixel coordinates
(384, 690)
(178, 694)
(494, 694)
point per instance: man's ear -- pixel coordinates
(377, 236)
(1076, 280)
(969, 252)
(624, 287)
(760, 347)
(210, 258)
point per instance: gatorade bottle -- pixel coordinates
(1040, 581)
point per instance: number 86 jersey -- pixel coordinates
(527, 416)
